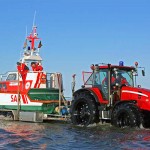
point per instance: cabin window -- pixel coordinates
(12, 76)
(3, 86)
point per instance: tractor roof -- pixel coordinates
(115, 66)
(112, 66)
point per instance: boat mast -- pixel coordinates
(31, 51)
(32, 37)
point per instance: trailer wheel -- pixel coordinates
(10, 115)
(126, 115)
(83, 110)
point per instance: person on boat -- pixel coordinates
(23, 70)
(22, 67)
(36, 66)
(33, 65)
(39, 67)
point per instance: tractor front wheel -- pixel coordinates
(126, 115)
(84, 110)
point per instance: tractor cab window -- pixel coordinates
(123, 77)
(104, 83)
(101, 81)
(96, 79)
(90, 80)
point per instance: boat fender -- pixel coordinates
(64, 111)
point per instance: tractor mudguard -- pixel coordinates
(95, 92)
(89, 91)
(123, 102)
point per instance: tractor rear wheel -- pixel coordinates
(146, 119)
(126, 115)
(84, 110)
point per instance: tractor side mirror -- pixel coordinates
(143, 72)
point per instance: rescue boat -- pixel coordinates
(30, 93)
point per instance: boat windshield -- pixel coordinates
(11, 76)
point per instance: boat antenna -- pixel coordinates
(34, 19)
(24, 47)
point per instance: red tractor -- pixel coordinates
(110, 94)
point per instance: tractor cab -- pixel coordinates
(110, 79)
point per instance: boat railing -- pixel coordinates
(52, 80)
(3, 77)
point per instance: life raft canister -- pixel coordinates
(43, 79)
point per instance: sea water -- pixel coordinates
(64, 136)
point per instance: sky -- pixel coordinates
(78, 33)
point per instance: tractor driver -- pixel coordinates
(119, 80)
